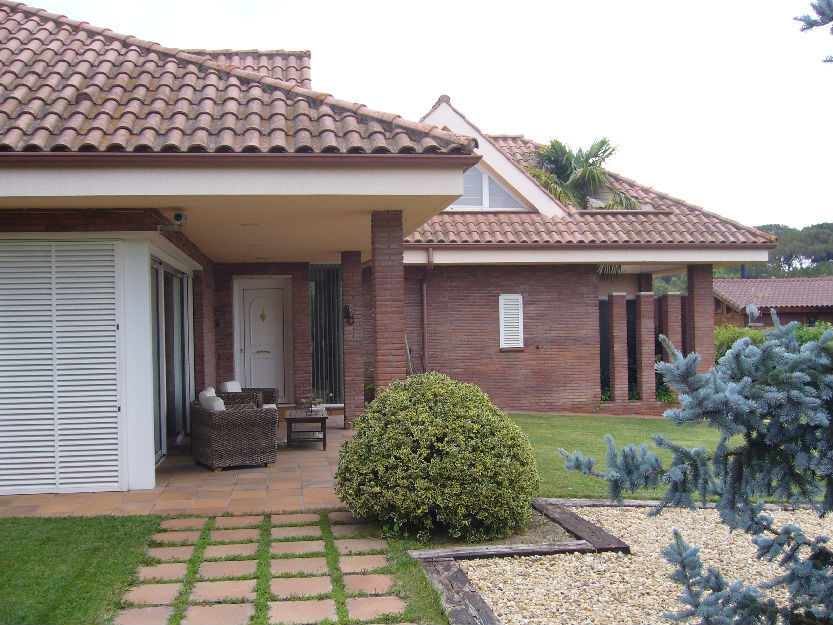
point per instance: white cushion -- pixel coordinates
(232, 386)
(212, 403)
(271, 406)
(209, 392)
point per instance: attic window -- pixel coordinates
(482, 192)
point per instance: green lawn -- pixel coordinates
(549, 432)
(68, 570)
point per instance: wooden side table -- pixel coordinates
(293, 417)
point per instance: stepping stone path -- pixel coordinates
(217, 571)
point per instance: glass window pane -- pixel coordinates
(472, 189)
(498, 198)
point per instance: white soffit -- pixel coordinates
(445, 116)
(492, 256)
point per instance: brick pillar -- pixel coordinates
(700, 315)
(672, 321)
(388, 296)
(352, 296)
(618, 337)
(302, 328)
(645, 343)
(205, 354)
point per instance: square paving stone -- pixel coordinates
(297, 546)
(219, 591)
(360, 545)
(219, 614)
(153, 594)
(236, 521)
(143, 616)
(343, 516)
(224, 551)
(359, 564)
(365, 608)
(286, 519)
(286, 587)
(223, 535)
(178, 537)
(183, 524)
(370, 584)
(313, 566)
(297, 612)
(173, 570)
(296, 532)
(350, 530)
(228, 568)
(171, 553)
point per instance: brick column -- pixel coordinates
(388, 296)
(205, 354)
(618, 342)
(352, 296)
(672, 321)
(645, 343)
(302, 328)
(700, 315)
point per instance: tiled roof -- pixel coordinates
(672, 222)
(69, 86)
(776, 293)
(285, 65)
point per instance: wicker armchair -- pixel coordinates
(256, 396)
(242, 434)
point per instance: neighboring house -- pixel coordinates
(806, 300)
(171, 219)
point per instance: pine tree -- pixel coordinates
(778, 400)
(823, 10)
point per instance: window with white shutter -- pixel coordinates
(59, 366)
(511, 321)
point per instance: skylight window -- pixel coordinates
(482, 192)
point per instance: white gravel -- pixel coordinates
(612, 588)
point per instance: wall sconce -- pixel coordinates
(347, 313)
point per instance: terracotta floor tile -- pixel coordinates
(219, 614)
(366, 608)
(247, 506)
(230, 535)
(360, 545)
(127, 509)
(219, 591)
(143, 616)
(248, 494)
(297, 546)
(286, 587)
(30, 500)
(296, 531)
(225, 551)
(343, 516)
(296, 612)
(214, 501)
(183, 524)
(359, 564)
(313, 566)
(19, 510)
(236, 521)
(287, 519)
(171, 553)
(213, 509)
(350, 529)
(228, 568)
(284, 504)
(371, 584)
(168, 571)
(180, 537)
(153, 594)
(177, 506)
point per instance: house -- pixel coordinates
(806, 300)
(171, 219)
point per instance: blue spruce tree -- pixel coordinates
(777, 400)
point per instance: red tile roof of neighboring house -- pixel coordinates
(776, 293)
(670, 222)
(69, 86)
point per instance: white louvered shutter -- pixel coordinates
(511, 321)
(59, 382)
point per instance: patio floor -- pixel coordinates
(302, 479)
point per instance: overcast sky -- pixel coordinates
(724, 104)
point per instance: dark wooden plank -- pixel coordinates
(462, 603)
(504, 551)
(582, 528)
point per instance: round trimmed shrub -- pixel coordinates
(431, 452)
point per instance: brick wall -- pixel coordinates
(645, 346)
(671, 322)
(224, 317)
(352, 295)
(700, 315)
(618, 346)
(205, 356)
(558, 368)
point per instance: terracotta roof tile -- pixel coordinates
(776, 293)
(69, 86)
(670, 222)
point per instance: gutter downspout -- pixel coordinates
(429, 266)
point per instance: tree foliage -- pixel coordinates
(823, 10)
(777, 399)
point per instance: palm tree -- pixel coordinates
(574, 177)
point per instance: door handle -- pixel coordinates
(263, 351)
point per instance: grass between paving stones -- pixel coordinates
(336, 576)
(70, 569)
(180, 603)
(263, 573)
(547, 433)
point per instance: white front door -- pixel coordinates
(263, 340)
